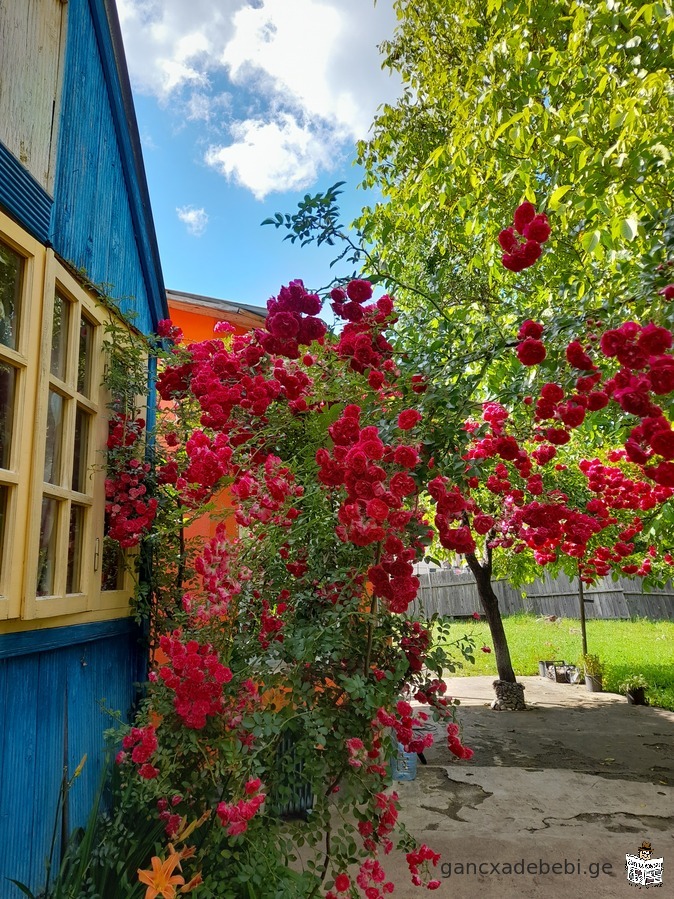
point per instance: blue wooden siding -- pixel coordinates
(36, 692)
(101, 222)
(23, 197)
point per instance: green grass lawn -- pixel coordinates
(625, 647)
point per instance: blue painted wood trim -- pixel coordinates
(29, 642)
(111, 49)
(23, 198)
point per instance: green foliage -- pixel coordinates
(634, 682)
(593, 665)
(568, 105)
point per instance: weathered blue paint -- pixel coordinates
(23, 197)
(37, 692)
(30, 642)
(102, 222)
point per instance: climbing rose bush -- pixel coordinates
(286, 667)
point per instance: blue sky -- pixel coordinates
(243, 107)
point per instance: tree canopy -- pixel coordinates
(566, 104)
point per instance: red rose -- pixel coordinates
(538, 228)
(572, 415)
(358, 290)
(508, 240)
(661, 375)
(533, 329)
(576, 356)
(663, 444)
(596, 400)
(406, 456)
(524, 214)
(654, 340)
(342, 883)
(667, 292)
(558, 436)
(531, 352)
(482, 523)
(531, 252)
(283, 325)
(612, 341)
(662, 474)
(408, 418)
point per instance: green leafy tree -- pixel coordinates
(565, 104)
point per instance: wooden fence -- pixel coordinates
(450, 593)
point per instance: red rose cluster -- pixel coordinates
(372, 880)
(534, 229)
(196, 676)
(372, 511)
(234, 816)
(417, 861)
(167, 330)
(266, 493)
(129, 511)
(219, 584)
(415, 643)
(291, 321)
(362, 341)
(403, 723)
(530, 350)
(143, 743)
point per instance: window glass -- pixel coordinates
(7, 390)
(80, 454)
(11, 270)
(75, 541)
(52, 457)
(59, 337)
(84, 358)
(47, 550)
(4, 499)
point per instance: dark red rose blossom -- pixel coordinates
(359, 291)
(482, 523)
(537, 229)
(597, 400)
(531, 352)
(524, 214)
(408, 418)
(533, 329)
(654, 340)
(576, 356)
(508, 240)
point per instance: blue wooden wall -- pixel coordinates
(101, 220)
(37, 691)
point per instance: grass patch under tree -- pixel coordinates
(626, 648)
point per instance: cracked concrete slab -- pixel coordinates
(564, 791)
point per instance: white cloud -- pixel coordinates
(310, 66)
(271, 156)
(194, 219)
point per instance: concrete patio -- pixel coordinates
(574, 783)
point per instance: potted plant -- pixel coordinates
(594, 672)
(634, 687)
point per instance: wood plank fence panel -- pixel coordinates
(448, 592)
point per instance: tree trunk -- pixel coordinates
(581, 604)
(492, 613)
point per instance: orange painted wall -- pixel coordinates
(198, 326)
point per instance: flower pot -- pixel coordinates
(593, 683)
(636, 696)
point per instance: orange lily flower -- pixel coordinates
(161, 881)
